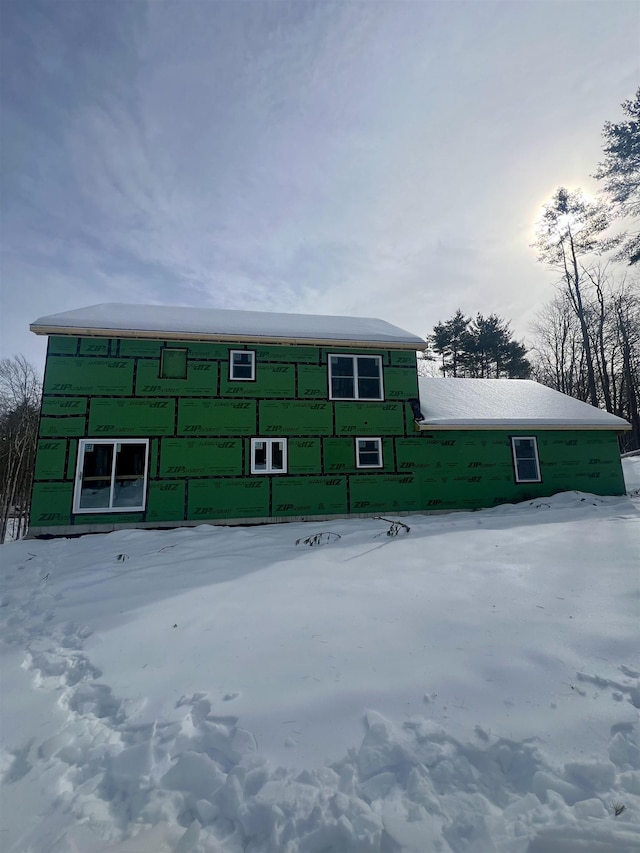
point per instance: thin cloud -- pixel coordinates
(365, 158)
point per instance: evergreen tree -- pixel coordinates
(482, 348)
(620, 171)
(451, 341)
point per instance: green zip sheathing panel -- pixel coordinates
(312, 382)
(309, 496)
(403, 358)
(64, 405)
(384, 493)
(369, 418)
(62, 426)
(295, 417)
(166, 500)
(50, 460)
(201, 381)
(205, 351)
(59, 345)
(83, 375)
(272, 380)
(216, 417)
(72, 447)
(228, 498)
(200, 430)
(305, 455)
(95, 346)
(153, 458)
(51, 504)
(204, 457)
(401, 384)
(139, 349)
(125, 418)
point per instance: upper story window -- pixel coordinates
(173, 363)
(111, 475)
(268, 455)
(355, 377)
(525, 459)
(242, 365)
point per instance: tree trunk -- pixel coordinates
(573, 283)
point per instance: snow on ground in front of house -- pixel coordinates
(472, 685)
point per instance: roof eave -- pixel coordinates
(201, 336)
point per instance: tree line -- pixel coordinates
(20, 394)
(593, 354)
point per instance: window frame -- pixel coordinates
(270, 442)
(163, 350)
(354, 359)
(249, 352)
(77, 489)
(359, 465)
(534, 440)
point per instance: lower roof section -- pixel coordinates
(466, 404)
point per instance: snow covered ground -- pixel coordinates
(472, 685)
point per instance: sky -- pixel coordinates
(364, 158)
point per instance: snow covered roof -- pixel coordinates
(506, 403)
(167, 321)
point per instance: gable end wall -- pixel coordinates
(200, 430)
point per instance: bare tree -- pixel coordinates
(20, 392)
(571, 228)
(557, 353)
(426, 362)
(611, 314)
(627, 321)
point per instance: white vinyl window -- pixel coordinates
(525, 459)
(111, 475)
(355, 377)
(369, 452)
(242, 365)
(268, 455)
